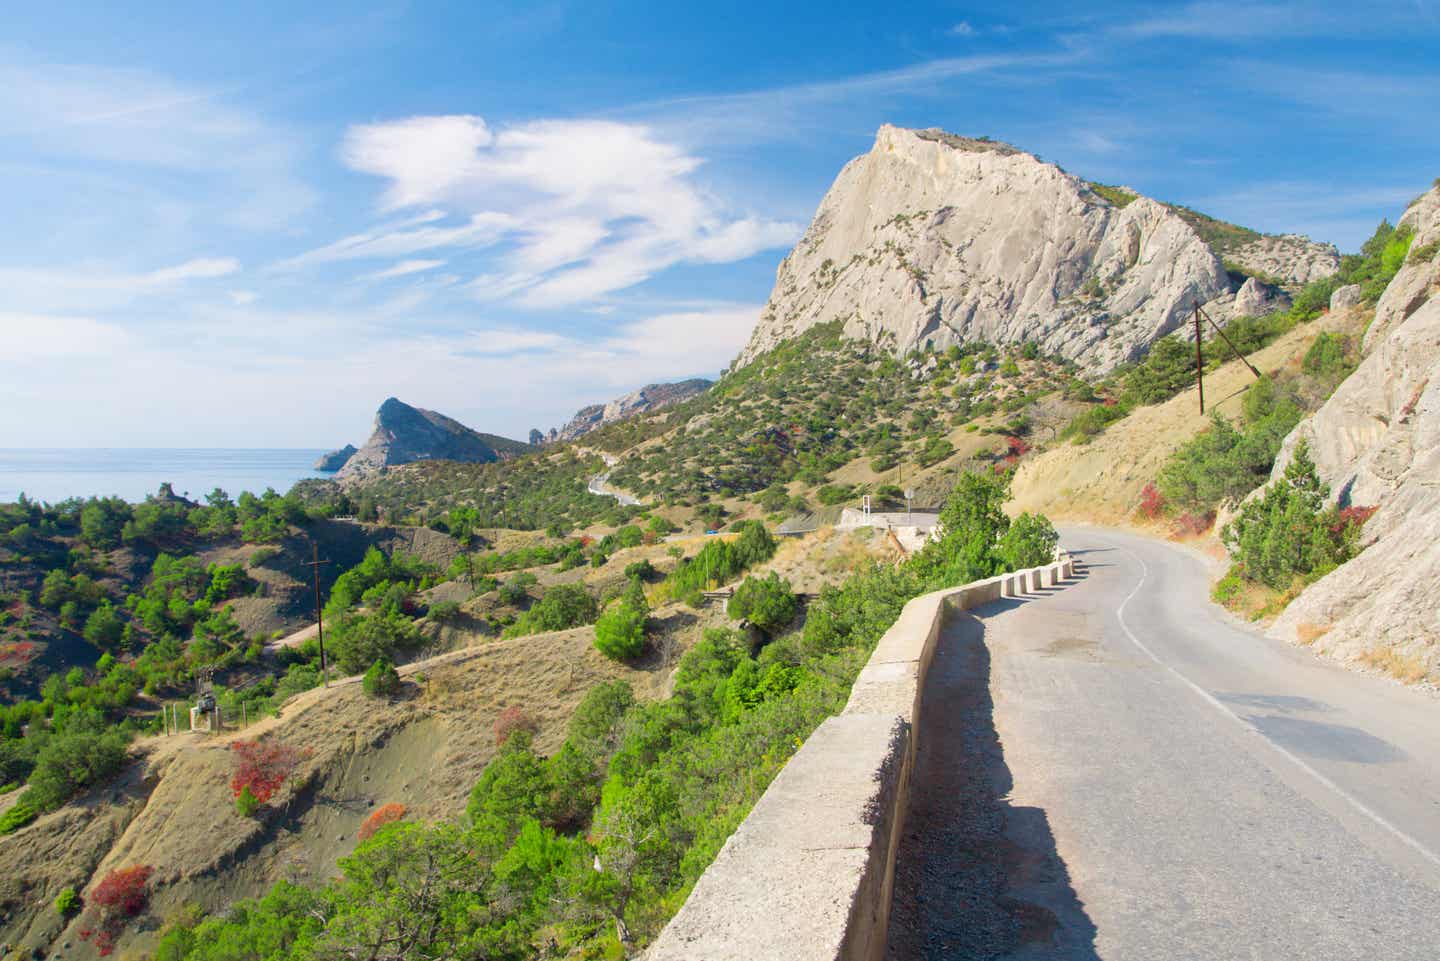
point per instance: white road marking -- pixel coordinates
(1214, 702)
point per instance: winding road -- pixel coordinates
(1117, 769)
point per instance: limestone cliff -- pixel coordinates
(404, 434)
(336, 459)
(1376, 441)
(936, 239)
(651, 397)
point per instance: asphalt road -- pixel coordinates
(1117, 769)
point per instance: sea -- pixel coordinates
(55, 474)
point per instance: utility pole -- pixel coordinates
(314, 566)
(1199, 359)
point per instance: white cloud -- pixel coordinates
(31, 337)
(962, 29)
(242, 298)
(90, 287)
(583, 207)
(480, 230)
(406, 268)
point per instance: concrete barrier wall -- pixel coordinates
(808, 875)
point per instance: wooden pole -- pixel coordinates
(314, 566)
(1199, 360)
(1233, 349)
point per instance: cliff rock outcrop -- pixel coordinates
(935, 239)
(404, 434)
(336, 459)
(1376, 441)
(647, 399)
(1291, 258)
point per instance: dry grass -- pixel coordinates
(1405, 668)
(1307, 633)
(1101, 481)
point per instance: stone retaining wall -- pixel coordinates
(807, 876)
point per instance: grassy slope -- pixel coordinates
(1100, 482)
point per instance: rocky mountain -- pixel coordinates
(336, 459)
(1376, 441)
(647, 399)
(404, 434)
(935, 239)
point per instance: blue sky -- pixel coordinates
(243, 225)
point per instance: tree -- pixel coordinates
(381, 679)
(102, 520)
(564, 606)
(1288, 532)
(620, 631)
(102, 627)
(1030, 541)
(971, 524)
(767, 602)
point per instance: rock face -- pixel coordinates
(935, 239)
(1255, 299)
(1376, 441)
(1345, 297)
(1291, 258)
(647, 399)
(404, 434)
(336, 459)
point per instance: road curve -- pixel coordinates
(1119, 770)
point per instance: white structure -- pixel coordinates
(912, 528)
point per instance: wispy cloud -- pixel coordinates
(89, 287)
(140, 119)
(407, 268)
(569, 230)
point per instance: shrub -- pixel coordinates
(67, 901)
(443, 611)
(262, 767)
(122, 895)
(511, 720)
(21, 813)
(833, 494)
(620, 631)
(386, 814)
(1288, 532)
(1030, 541)
(564, 606)
(639, 570)
(768, 603)
(381, 679)
(246, 803)
(1152, 503)
(72, 761)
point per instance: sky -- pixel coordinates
(247, 224)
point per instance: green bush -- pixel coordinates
(1030, 541)
(1288, 532)
(381, 679)
(71, 761)
(620, 631)
(564, 606)
(246, 803)
(767, 602)
(21, 813)
(66, 901)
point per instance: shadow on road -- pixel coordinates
(976, 876)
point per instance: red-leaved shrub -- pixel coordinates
(262, 766)
(1152, 502)
(120, 896)
(512, 719)
(1192, 525)
(1354, 517)
(388, 814)
(1018, 447)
